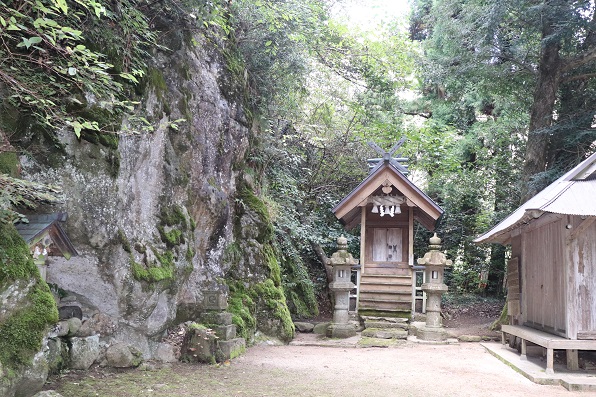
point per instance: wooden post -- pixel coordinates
(362, 238)
(549, 361)
(572, 360)
(524, 349)
(362, 251)
(411, 257)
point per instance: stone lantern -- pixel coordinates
(434, 261)
(341, 262)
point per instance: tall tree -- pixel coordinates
(566, 46)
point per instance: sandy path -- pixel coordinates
(410, 370)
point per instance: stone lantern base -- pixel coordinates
(431, 333)
(341, 330)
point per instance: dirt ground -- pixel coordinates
(409, 369)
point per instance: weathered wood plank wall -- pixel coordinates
(582, 297)
(544, 276)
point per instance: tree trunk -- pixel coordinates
(324, 259)
(541, 114)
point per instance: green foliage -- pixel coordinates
(22, 332)
(46, 60)
(9, 163)
(17, 192)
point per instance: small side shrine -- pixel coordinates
(551, 276)
(46, 238)
(386, 204)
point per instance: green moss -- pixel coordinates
(272, 264)
(251, 202)
(15, 257)
(9, 163)
(194, 326)
(155, 79)
(190, 253)
(296, 281)
(124, 241)
(173, 216)
(274, 298)
(153, 273)
(22, 332)
(232, 254)
(242, 307)
(171, 238)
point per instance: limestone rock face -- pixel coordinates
(151, 217)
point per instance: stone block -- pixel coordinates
(385, 333)
(225, 332)
(84, 352)
(386, 324)
(216, 318)
(469, 338)
(165, 353)
(70, 311)
(432, 334)
(341, 331)
(304, 327)
(215, 300)
(321, 328)
(229, 349)
(201, 346)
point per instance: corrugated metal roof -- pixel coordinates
(572, 194)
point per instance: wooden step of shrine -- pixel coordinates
(387, 269)
(385, 293)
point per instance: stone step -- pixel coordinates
(385, 325)
(385, 333)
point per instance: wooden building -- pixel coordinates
(46, 238)
(551, 277)
(386, 204)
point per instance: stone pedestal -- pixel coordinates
(342, 262)
(214, 339)
(434, 262)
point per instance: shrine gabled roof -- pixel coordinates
(427, 211)
(40, 225)
(571, 194)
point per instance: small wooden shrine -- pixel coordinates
(551, 277)
(46, 238)
(386, 204)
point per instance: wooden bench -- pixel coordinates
(550, 342)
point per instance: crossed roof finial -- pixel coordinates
(390, 156)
